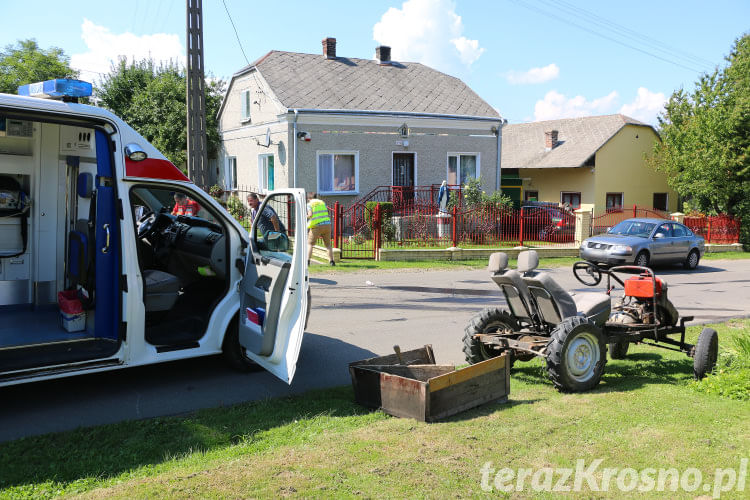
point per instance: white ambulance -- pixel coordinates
(110, 257)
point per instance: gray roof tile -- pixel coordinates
(312, 81)
(578, 139)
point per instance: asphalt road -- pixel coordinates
(354, 316)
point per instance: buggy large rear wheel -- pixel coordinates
(706, 352)
(490, 320)
(576, 355)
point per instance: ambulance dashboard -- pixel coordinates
(196, 241)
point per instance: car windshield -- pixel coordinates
(633, 228)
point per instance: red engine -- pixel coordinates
(642, 287)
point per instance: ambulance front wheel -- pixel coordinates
(234, 353)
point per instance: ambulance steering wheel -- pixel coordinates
(147, 225)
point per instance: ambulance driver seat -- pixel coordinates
(161, 291)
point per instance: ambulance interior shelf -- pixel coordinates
(15, 204)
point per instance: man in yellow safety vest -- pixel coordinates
(318, 226)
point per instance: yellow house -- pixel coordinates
(594, 160)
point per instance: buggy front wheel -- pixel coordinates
(706, 352)
(490, 320)
(576, 355)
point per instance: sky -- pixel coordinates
(530, 59)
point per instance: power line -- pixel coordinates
(606, 37)
(235, 32)
(627, 32)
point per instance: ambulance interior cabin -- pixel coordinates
(60, 232)
(40, 206)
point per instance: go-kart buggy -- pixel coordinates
(572, 331)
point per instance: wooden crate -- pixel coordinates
(415, 387)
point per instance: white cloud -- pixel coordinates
(429, 32)
(105, 47)
(646, 106)
(556, 105)
(534, 75)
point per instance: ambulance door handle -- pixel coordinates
(105, 250)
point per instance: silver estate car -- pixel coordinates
(644, 242)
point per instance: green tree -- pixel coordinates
(705, 146)
(25, 62)
(151, 99)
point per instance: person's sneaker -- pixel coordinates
(332, 263)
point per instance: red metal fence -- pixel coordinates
(601, 223)
(416, 222)
(721, 229)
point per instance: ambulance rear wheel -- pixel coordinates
(234, 354)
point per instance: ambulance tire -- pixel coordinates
(234, 353)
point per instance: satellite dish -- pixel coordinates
(267, 140)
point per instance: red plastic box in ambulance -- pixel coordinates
(102, 266)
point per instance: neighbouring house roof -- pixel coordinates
(578, 139)
(310, 81)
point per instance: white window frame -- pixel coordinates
(263, 173)
(458, 164)
(230, 173)
(356, 172)
(416, 162)
(245, 103)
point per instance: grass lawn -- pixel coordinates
(646, 413)
(366, 264)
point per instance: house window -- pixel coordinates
(338, 172)
(614, 202)
(571, 198)
(462, 167)
(530, 195)
(245, 97)
(266, 173)
(660, 201)
(231, 173)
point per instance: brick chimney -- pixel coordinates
(329, 48)
(383, 54)
(550, 139)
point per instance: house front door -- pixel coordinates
(403, 178)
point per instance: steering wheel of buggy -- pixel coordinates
(587, 273)
(147, 225)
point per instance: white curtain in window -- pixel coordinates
(343, 173)
(325, 173)
(468, 168)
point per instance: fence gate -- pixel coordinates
(354, 232)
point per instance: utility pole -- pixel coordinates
(197, 151)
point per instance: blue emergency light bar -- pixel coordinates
(60, 88)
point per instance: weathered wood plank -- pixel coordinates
(443, 381)
(403, 397)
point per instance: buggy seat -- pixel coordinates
(553, 302)
(514, 288)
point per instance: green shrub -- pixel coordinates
(731, 377)
(474, 197)
(386, 212)
(236, 208)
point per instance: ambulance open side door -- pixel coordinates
(273, 290)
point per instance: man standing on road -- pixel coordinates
(267, 220)
(318, 226)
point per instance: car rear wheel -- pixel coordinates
(692, 260)
(642, 259)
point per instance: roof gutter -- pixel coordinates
(498, 180)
